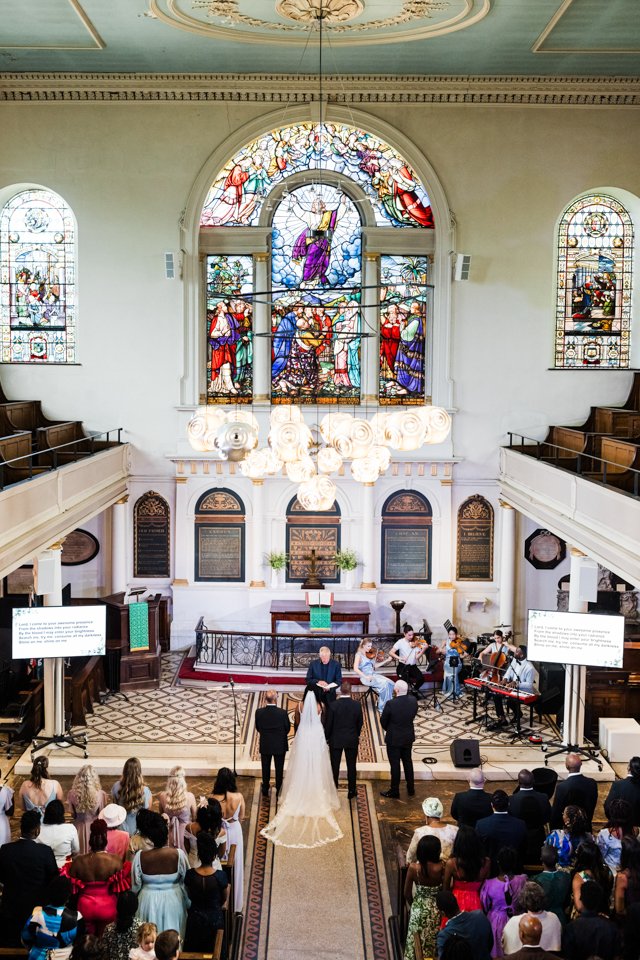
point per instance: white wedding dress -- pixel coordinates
(305, 816)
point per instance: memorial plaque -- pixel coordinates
(475, 540)
(79, 547)
(301, 541)
(405, 554)
(220, 552)
(151, 536)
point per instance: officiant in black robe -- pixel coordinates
(325, 675)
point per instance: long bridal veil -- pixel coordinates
(305, 815)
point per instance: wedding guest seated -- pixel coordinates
(208, 891)
(157, 876)
(499, 895)
(121, 936)
(208, 820)
(534, 808)
(86, 799)
(140, 840)
(225, 791)
(589, 865)
(568, 839)
(531, 901)
(131, 792)
(627, 789)
(470, 925)
(117, 839)
(98, 877)
(51, 930)
(145, 949)
(55, 833)
(473, 804)
(168, 945)
(555, 883)
(530, 932)
(422, 884)
(467, 869)
(445, 832)
(38, 791)
(178, 804)
(89, 947)
(619, 825)
(591, 934)
(626, 893)
(26, 869)
(501, 829)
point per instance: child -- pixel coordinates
(147, 933)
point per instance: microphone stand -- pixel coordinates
(232, 684)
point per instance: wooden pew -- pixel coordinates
(17, 448)
(26, 415)
(622, 457)
(82, 690)
(20, 953)
(21, 719)
(69, 432)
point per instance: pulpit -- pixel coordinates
(139, 668)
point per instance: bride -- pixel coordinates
(305, 815)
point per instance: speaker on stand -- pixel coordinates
(465, 753)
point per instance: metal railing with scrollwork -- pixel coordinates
(280, 651)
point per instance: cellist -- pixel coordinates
(496, 656)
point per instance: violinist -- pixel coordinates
(405, 652)
(365, 666)
(453, 648)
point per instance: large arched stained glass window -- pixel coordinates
(593, 310)
(37, 279)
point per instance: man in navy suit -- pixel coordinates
(576, 789)
(325, 675)
(397, 722)
(501, 829)
(273, 725)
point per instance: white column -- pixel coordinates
(442, 534)
(257, 536)
(182, 558)
(370, 349)
(575, 678)
(119, 545)
(507, 564)
(368, 556)
(261, 328)
(49, 586)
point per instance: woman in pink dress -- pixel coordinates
(467, 869)
(117, 837)
(98, 877)
(86, 799)
(179, 805)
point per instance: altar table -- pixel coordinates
(342, 611)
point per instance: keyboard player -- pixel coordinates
(522, 676)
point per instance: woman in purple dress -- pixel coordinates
(498, 896)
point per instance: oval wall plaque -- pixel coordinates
(79, 547)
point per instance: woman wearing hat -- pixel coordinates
(117, 837)
(445, 832)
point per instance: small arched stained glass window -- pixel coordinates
(37, 279)
(594, 285)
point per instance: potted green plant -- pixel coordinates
(346, 561)
(277, 561)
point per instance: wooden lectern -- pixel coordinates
(139, 669)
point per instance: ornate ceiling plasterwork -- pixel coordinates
(348, 22)
(284, 88)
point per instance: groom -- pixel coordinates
(325, 674)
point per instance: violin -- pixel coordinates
(375, 654)
(460, 646)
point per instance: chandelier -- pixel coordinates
(365, 443)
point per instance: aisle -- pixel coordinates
(332, 901)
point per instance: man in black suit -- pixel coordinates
(576, 789)
(627, 789)
(397, 722)
(469, 806)
(26, 869)
(273, 725)
(344, 723)
(534, 808)
(325, 674)
(592, 934)
(530, 930)
(501, 829)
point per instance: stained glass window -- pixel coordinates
(229, 329)
(403, 329)
(593, 306)
(316, 276)
(238, 192)
(37, 279)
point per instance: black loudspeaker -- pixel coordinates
(465, 753)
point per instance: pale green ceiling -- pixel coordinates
(590, 38)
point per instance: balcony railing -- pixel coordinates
(43, 461)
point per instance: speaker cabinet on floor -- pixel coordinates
(465, 753)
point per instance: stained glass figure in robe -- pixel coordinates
(37, 279)
(403, 318)
(397, 196)
(229, 329)
(316, 317)
(593, 307)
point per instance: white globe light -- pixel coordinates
(289, 441)
(365, 469)
(362, 437)
(319, 493)
(203, 426)
(240, 415)
(285, 413)
(300, 470)
(379, 425)
(253, 465)
(439, 425)
(383, 456)
(333, 423)
(329, 460)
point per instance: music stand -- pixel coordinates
(454, 663)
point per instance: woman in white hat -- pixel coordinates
(117, 837)
(86, 799)
(434, 827)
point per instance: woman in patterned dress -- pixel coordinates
(423, 883)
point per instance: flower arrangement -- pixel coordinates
(277, 561)
(346, 559)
